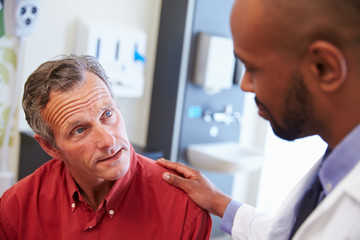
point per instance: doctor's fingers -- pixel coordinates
(185, 171)
(178, 181)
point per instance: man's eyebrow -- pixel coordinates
(71, 125)
(107, 105)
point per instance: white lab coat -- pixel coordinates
(336, 217)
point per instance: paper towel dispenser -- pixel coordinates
(214, 63)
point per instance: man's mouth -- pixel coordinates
(113, 157)
(262, 111)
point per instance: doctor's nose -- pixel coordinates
(246, 83)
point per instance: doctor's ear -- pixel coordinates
(328, 65)
(48, 147)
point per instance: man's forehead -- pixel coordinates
(258, 29)
(247, 25)
(62, 104)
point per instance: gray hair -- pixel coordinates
(62, 74)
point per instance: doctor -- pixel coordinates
(302, 61)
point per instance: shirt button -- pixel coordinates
(328, 187)
(111, 212)
(73, 205)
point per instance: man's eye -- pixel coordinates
(108, 113)
(79, 130)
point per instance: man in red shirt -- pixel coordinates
(96, 186)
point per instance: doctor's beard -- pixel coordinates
(297, 120)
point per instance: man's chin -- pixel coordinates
(282, 133)
(113, 171)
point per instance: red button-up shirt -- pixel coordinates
(48, 205)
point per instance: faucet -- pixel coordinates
(226, 117)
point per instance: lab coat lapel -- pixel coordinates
(343, 199)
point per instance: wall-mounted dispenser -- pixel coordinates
(214, 63)
(120, 50)
(21, 17)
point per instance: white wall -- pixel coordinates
(56, 32)
(285, 162)
(284, 166)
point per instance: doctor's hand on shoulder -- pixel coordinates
(200, 189)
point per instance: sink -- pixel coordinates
(224, 157)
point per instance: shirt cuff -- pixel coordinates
(229, 216)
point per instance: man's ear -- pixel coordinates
(328, 65)
(48, 147)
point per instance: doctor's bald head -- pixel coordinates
(293, 25)
(308, 51)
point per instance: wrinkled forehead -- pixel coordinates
(63, 105)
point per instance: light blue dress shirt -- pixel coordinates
(338, 164)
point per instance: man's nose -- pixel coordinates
(105, 138)
(246, 83)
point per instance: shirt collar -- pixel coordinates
(118, 190)
(341, 160)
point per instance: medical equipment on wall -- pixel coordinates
(20, 17)
(19, 20)
(120, 49)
